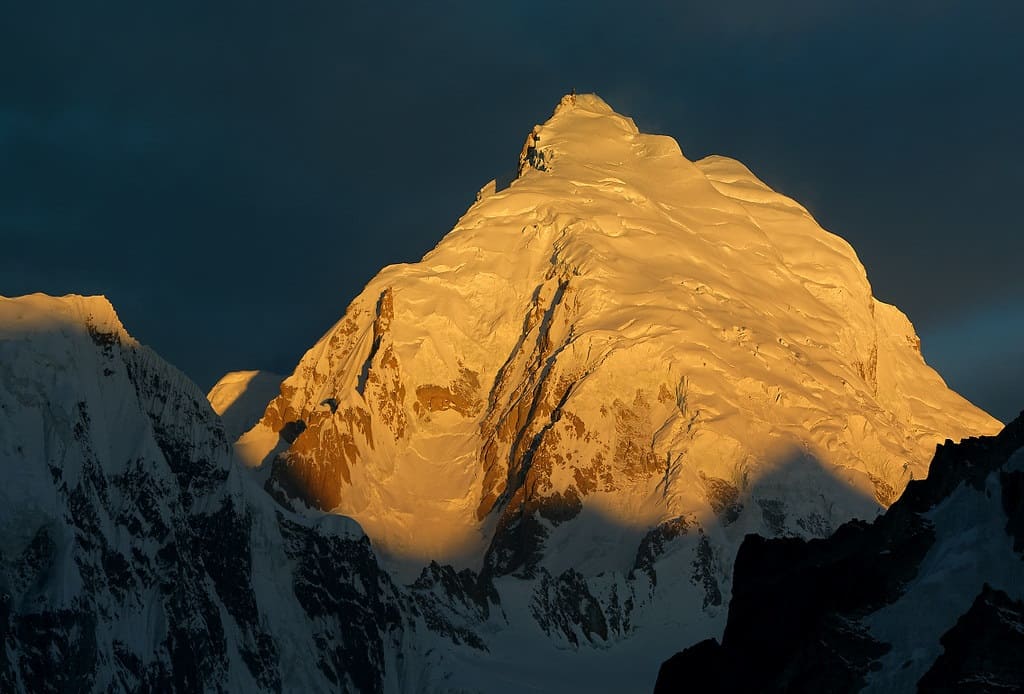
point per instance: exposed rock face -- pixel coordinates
(135, 557)
(926, 596)
(620, 340)
(982, 653)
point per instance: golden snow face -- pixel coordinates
(619, 332)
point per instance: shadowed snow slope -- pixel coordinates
(604, 377)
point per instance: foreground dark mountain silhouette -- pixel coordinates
(926, 597)
(555, 429)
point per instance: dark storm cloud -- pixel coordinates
(231, 174)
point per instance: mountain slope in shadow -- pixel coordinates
(928, 596)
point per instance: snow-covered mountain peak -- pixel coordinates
(608, 372)
(621, 329)
(588, 152)
(581, 116)
(584, 136)
(69, 363)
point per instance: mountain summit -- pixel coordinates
(622, 363)
(621, 329)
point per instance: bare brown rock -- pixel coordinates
(633, 435)
(461, 395)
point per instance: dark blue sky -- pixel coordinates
(231, 174)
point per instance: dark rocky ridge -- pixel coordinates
(983, 651)
(797, 616)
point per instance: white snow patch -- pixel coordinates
(971, 548)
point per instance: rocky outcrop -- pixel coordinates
(888, 605)
(981, 653)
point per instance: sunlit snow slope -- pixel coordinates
(620, 331)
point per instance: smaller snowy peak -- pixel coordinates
(66, 363)
(241, 397)
(133, 556)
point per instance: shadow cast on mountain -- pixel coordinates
(573, 553)
(792, 493)
(796, 493)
